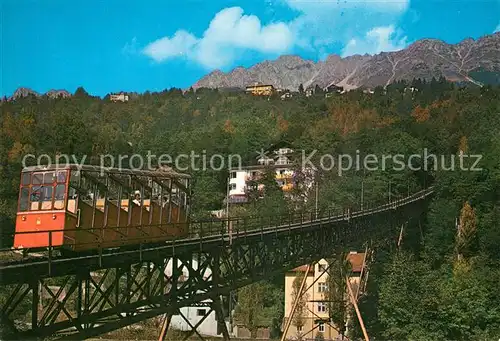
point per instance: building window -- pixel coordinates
(321, 268)
(232, 187)
(321, 307)
(299, 328)
(233, 175)
(321, 327)
(200, 312)
(321, 287)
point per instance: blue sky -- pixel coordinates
(113, 45)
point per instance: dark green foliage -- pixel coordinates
(413, 294)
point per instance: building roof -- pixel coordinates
(258, 85)
(168, 173)
(303, 268)
(279, 145)
(236, 199)
(356, 260)
(262, 168)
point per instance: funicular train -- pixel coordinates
(84, 208)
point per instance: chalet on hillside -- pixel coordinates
(120, 97)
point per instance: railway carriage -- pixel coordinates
(82, 208)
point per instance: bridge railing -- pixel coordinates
(98, 239)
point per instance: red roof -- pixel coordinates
(356, 260)
(303, 268)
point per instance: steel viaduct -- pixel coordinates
(89, 295)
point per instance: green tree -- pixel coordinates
(299, 316)
(250, 307)
(337, 294)
(258, 306)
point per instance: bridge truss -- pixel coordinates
(85, 296)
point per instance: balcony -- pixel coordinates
(237, 199)
(284, 176)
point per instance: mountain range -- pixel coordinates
(423, 59)
(468, 61)
(24, 92)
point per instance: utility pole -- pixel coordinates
(362, 192)
(317, 189)
(228, 187)
(227, 197)
(229, 227)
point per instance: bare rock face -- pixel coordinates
(423, 59)
(58, 94)
(23, 92)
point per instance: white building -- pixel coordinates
(280, 161)
(122, 97)
(285, 96)
(194, 313)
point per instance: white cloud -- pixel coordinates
(181, 44)
(361, 26)
(228, 32)
(379, 39)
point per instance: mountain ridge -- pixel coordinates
(424, 58)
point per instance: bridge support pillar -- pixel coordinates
(173, 281)
(35, 304)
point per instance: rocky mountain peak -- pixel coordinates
(423, 59)
(58, 94)
(24, 92)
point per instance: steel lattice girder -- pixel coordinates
(89, 303)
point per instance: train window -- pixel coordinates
(72, 200)
(37, 178)
(48, 178)
(24, 202)
(72, 193)
(26, 179)
(36, 194)
(59, 197)
(47, 192)
(113, 189)
(61, 176)
(75, 178)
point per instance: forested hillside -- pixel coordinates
(439, 286)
